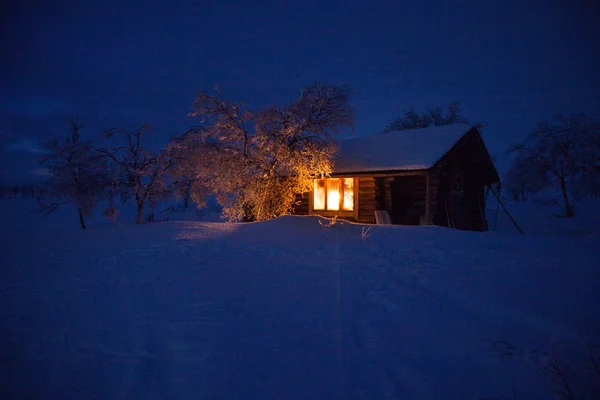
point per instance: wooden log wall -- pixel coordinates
(301, 206)
(367, 199)
(375, 193)
(435, 198)
(464, 173)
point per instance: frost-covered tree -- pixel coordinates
(561, 153)
(137, 172)
(256, 161)
(183, 176)
(410, 119)
(76, 174)
(522, 179)
(113, 190)
(188, 189)
(589, 184)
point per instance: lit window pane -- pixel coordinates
(348, 203)
(333, 194)
(319, 194)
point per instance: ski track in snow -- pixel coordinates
(282, 309)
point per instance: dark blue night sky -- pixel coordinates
(509, 63)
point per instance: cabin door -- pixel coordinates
(404, 192)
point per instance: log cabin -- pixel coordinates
(430, 176)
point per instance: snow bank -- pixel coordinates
(287, 308)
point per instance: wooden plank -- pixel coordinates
(368, 204)
(368, 207)
(367, 201)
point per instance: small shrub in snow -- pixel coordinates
(556, 368)
(572, 371)
(150, 217)
(365, 233)
(330, 222)
(111, 212)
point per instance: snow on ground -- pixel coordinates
(541, 218)
(287, 308)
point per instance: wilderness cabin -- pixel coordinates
(437, 175)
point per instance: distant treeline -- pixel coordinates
(30, 191)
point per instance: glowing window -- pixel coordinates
(348, 185)
(333, 194)
(319, 194)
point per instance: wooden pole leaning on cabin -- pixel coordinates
(506, 211)
(427, 198)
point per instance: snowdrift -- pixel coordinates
(543, 219)
(289, 308)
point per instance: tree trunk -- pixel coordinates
(81, 220)
(568, 207)
(140, 210)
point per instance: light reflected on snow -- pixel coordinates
(201, 231)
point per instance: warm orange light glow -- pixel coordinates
(319, 196)
(333, 194)
(348, 204)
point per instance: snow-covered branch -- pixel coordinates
(255, 162)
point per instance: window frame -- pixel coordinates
(338, 213)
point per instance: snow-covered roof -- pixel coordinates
(413, 149)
